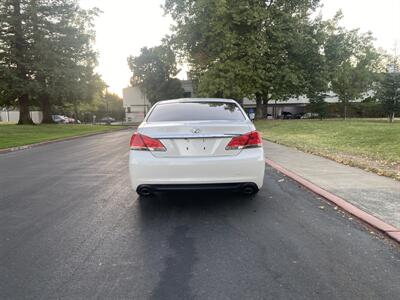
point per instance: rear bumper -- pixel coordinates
(246, 167)
(196, 187)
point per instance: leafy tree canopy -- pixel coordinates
(389, 93)
(352, 60)
(46, 54)
(154, 71)
(246, 48)
(270, 49)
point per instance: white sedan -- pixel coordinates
(190, 144)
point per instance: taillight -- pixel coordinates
(248, 140)
(142, 142)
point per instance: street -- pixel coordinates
(71, 227)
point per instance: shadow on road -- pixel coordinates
(183, 221)
(191, 201)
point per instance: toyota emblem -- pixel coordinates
(196, 130)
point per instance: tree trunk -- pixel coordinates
(76, 112)
(391, 117)
(240, 101)
(24, 116)
(265, 105)
(259, 106)
(18, 60)
(46, 110)
(345, 109)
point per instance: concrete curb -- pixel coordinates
(382, 226)
(13, 149)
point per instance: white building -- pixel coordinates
(136, 104)
(296, 105)
(12, 116)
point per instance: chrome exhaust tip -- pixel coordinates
(144, 191)
(249, 189)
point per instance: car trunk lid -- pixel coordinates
(195, 139)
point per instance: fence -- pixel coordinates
(12, 116)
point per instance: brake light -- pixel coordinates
(142, 142)
(249, 140)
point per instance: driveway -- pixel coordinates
(72, 228)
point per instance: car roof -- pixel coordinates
(189, 100)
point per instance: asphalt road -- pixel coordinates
(72, 228)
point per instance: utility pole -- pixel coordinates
(106, 100)
(395, 71)
(395, 62)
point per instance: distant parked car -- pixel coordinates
(268, 117)
(310, 116)
(286, 115)
(107, 120)
(59, 119)
(298, 116)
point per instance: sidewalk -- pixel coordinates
(376, 195)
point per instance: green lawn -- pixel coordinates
(15, 135)
(371, 144)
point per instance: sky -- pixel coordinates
(125, 26)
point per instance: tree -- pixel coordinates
(46, 55)
(352, 61)
(113, 102)
(389, 94)
(219, 40)
(104, 105)
(154, 71)
(292, 64)
(16, 76)
(318, 105)
(257, 49)
(65, 59)
(87, 97)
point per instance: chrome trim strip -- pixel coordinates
(197, 136)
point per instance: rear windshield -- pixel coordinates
(196, 111)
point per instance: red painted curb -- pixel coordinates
(388, 229)
(19, 148)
